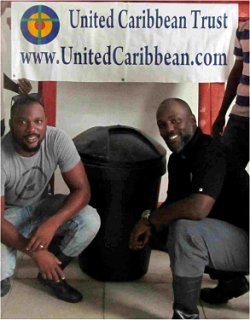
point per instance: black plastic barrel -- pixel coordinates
(124, 168)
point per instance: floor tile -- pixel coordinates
(237, 308)
(159, 268)
(137, 300)
(30, 300)
(5, 299)
(149, 297)
(234, 309)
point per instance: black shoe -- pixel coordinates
(225, 290)
(179, 314)
(62, 290)
(5, 286)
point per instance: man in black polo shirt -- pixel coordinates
(206, 210)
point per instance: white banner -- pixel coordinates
(131, 42)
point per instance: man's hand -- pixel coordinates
(41, 237)
(24, 86)
(49, 265)
(139, 236)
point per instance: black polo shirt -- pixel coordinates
(205, 166)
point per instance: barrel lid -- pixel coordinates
(117, 145)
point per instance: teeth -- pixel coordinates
(173, 137)
(32, 138)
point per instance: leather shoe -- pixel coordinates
(5, 286)
(61, 289)
(225, 290)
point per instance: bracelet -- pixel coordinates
(147, 222)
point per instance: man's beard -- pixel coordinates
(182, 144)
(24, 147)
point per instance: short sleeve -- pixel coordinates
(68, 156)
(3, 180)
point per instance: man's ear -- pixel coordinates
(194, 122)
(193, 118)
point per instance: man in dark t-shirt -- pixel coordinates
(206, 210)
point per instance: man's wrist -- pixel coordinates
(147, 222)
(146, 218)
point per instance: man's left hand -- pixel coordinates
(139, 236)
(24, 86)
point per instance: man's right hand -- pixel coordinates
(48, 264)
(139, 236)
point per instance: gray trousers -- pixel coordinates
(194, 245)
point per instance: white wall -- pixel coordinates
(83, 105)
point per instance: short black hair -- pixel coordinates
(168, 101)
(19, 100)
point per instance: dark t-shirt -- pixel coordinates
(205, 166)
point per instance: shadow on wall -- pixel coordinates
(81, 106)
(85, 105)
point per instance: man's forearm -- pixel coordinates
(11, 237)
(10, 85)
(231, 88)
(230, 94)
(194, 207)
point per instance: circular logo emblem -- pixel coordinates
(40, 24)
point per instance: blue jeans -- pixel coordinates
(219, 245)
(78, 232)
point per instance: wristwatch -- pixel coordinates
(146, 217)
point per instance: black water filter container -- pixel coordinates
(124, 168)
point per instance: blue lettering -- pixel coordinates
(38, 57)
(115, 56)
(120, 18)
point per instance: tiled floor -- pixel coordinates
(149, 297)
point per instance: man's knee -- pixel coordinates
(88, 223)
(80, 231)
(186, 247)
(90, 218)
(181, 231)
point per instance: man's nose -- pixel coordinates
(169, 128)
(31, 127)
